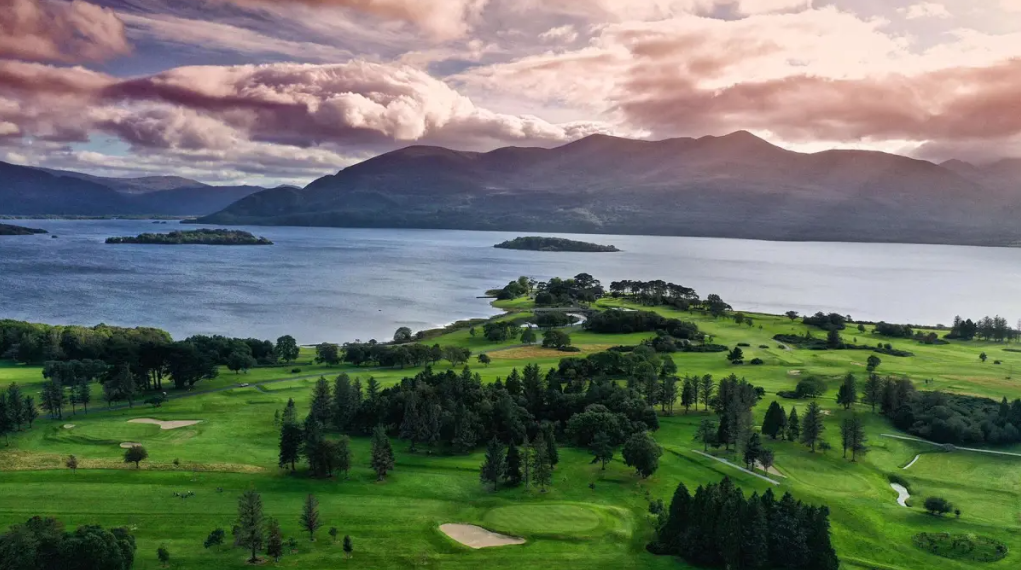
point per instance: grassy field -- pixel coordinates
(605, 525)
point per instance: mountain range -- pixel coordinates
(737, 186)
(29, 191)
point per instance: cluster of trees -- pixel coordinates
(17, 411)
(649, 375)
(809, 430)
(987, 328)
(958, 419)
(829, 322)
(659, 292)
(378, 354)
(254, 531)
(200, 236)
(44, 544)
(308, 440)
(518, 288)
(530, 465)
(602, 430)
(732, 403)
(617, 321)
(719, 528)
(895, 331)
(579, 290)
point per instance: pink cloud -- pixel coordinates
(60, 31)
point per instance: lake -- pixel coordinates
(330, 284)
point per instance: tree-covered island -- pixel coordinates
(195, 237)
(12, 230)
(538, 243)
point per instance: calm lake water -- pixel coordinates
(326, 284)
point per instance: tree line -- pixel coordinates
(986, 328)
(17, 411)
(44, 544)
(718, 527)
(659, 292)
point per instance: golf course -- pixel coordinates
(211, 442)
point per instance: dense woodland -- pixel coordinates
(44, 544)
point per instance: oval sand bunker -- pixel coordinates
(165, 425)
(130, 444)
(478, 537)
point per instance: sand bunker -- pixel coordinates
(794, 372)
(130, 444)
(478, 537)
(772, 470)
(165, 425)
(902, 494)
(68, 426)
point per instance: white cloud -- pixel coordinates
(925, 10)
(560, 34)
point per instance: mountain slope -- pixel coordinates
(28, 191)
(732, 186)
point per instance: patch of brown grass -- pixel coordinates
(19, 460)
(531, 352)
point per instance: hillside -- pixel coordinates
(736, 186)
(28, 191)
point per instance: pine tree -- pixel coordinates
(602, 449)
(342, 455)
(465, 437)
(821, 555)
(873, 393)
(513, 473)
(673, 534)
(689, 396)
(290, 437)
(527, 462)
(706, 433)
(754, 536)
(346, 399)
(321, 407)
(772, 424)
(274, 540)
(847, 395)
(348, 546)
(752, 450)
(84, 395)
(706, 387)
(315, 448)
(812, 430)
(668, 392)
(309, 519)
(542, 471)
(793, 426)
(552, 453)
(411, 426)
(494, 466)
(6, 422)
(382, 453)
(858, 438)
(16, 405)
(126, 386)
(513, 383)
(250, 523)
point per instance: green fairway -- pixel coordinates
(591, 518)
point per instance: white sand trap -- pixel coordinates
(902, 494)
(165, 425)
(68, 426)
(772, 470)
(794, 372)
(912, 462)
(478, 537)
(129, 444)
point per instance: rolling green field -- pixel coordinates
(590, 519)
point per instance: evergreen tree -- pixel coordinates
(793, 426)
(668, 392)
(552, 453)
(706, 388)
(382, 453)
(16, 406)
(126, 385)
(321, 408)
(527, 462)
(494, 467)
(309, 519)
(6, 422)
(513, 384)
(342, 455)
(602, 449)
(465, 436)
(348, 546)
(345, 402)
(821, 555)
(772, 424)
(513, 473)
(274, 540)
(542, 471)
(412, 424)
(752, 451)
(873, 393)
(689, 396)
(754, 536)
(250, 523)
(706, 433)
(847, 395)
(673, 534)
(857, 437)
(291, 437)
(812, 430)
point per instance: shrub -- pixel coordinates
(810, 387)
(757, 362)
(938, 506)
(295, 370)
(767, 346)
(744, 344)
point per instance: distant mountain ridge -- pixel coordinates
(736, 185)
(30, 191)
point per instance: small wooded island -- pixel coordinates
(537, 243)
(195, 237)
(11, 230)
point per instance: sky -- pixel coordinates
(283, 91)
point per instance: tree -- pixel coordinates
(689, 394)
(706, 433)
(793, 426)
(274, 540)
(72, 464)
(643, 453)
(736, 355)
(250, 523)
(833, 339)
(552, 453)
(485, 360)
(938, 506)
(382, 453)
(29, 411)
(752, 450)
(135, 454)
(792, 315)
(494, 466)
(766, 459)
(847, 395)
(163, 555)
(813, 428)
(983, 357)
(856, 437)
(341, 460)
(528, 336)
(327, 353)
(706, 388)
(602, 449)
(321, 407)
(84, 395)
(872, 363)
(557, 339)
(287, 348)
(333, 534)
(239, 361)
(6, 421)
(542, 472)
(348, 546)
(291, 436)
(215, 538)
(402, 335)
(774, 421)
(873, 393)
(513, 473)
(309, 519)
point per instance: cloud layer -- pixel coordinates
(60, 31)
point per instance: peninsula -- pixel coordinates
(11, 230)
(195, 237)
(537, 243)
